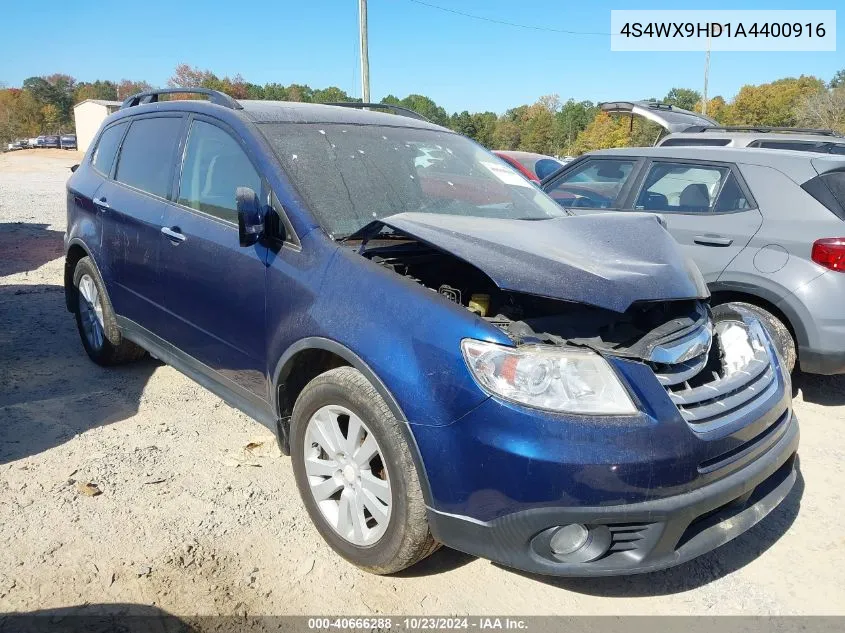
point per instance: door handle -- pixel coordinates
(173, 234)
(712, 240)
(101, 204)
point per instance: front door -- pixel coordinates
(705, 207)
(594, 185)
(215, 289)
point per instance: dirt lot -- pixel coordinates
(191, 521)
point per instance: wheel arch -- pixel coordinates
(308, 358)
(76, 250)
(764, 299)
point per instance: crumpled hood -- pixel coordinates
(609, 260)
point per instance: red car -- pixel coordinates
(533, 166)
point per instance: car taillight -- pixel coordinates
(830, 253)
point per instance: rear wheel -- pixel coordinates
(781, 336)
(95, 319)
(355, 474)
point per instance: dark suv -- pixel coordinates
(446, 357)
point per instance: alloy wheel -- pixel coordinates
(91, 312)
(347, 475)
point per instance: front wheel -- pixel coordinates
(355, 474)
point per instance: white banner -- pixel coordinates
(758, 30)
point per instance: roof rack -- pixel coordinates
(151, 96)
(761, 129)
(382, 106)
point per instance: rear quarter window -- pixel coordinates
(829, 190)
(103, 156)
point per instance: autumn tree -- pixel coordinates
(773, 104)
(603, 132)
(825, 109)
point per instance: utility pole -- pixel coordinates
(706, 77)
(365, 57)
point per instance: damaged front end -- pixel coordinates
(568, 300)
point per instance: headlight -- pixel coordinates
(545, 377)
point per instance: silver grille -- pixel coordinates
(707, 399)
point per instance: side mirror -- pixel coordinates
(74, 167)
(250, 216)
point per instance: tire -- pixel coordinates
(781, 336)
(406, 538)
(111, 348)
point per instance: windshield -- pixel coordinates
(351, 175)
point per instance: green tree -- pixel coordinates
(572, 118)
(485, 126)
(332, 94)
(422, 105)
(838, 79)
(684, 98)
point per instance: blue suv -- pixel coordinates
(446, 355)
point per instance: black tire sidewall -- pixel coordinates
(318, 394)
(111, 333)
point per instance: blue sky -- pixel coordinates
(459, 62)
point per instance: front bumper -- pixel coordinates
(645, 536)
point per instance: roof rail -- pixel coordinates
(760, 128)
(151, 96)
(382, 106)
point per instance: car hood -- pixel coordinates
(609, 260)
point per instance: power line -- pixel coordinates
(505, 23)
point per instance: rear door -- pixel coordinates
(132, 204)
(706, 207)
(594, 184)
(214, 288)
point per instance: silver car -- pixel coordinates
(766, 228)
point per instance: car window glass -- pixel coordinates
(146, 157)
(103, 156)
(594, 184)
(731, 197)
(681, 187)
(546, 167)
(837, 149)
(215, 166)
(695, 142)
(800, 146)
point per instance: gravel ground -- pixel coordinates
(191, 520)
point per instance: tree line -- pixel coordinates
(548, 126)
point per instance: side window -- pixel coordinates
(595, 184)
(214, 167)
(695, 142)
(836, 148)
(146, 157)
(682, 188)
(799, 146)
(103, 156)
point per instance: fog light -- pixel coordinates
(570, 538)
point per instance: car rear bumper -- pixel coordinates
(642, 537)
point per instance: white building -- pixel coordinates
(89, 115)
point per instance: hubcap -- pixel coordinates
(91, 312)
(347, 475)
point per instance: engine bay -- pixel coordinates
(528, 318)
